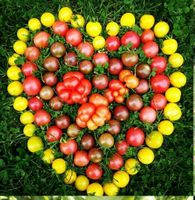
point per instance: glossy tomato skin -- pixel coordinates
(32, 53)
(95, 155)
(147, 35)
(106, 140)
(160, 83)
(73, 130)
(56, 103)
(143, 70)
(86, 66)
(42, 118)
(129, 59)
(86, 49)
(57, 49)
(112, 43)
(131, 37)
(150, 49)
(100, 59)
(134, 102)
(159, 64)
(51, 64)
(122, 147)
(81, 158)
(62, 121)
(60, 28)
(73, 37)
(135, 137)
(121, 113)
(116, 162)
(69, 147)
(28, 68)
(46, 93)
(143, 87)
(50, 79)
(94, 171)
(35, 104)
(87, 141)
(41, 39)
(100, 81)
(32, 85)
(114, 127)
(147, 115)
(53, 134)
(70, 59)
(115, 66)
(158, 102)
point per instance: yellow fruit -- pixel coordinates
(166, 127)
(93, 29)
(95, 189)
(23, 34)
(110, 189)
(13, 58)
(19, 47)
(169, 46)
(35, 144)
(65, 14)
(112, 28)
(147, 21)
(98, 42)
(15, 88)
(127, 19)
(173, 95)
(178, 79)
(47, 19)
(20, 103)
(34, 24)
(154, 140)
(161, 29)
(81, 183)
(26, 117)
(13, 73)
(121, 179)
(59, 165)
(29, 129)
(77, 21)
(70, 176)
(132, 166)
(48, 156)
(172, 112)
(176, 60)
(145, 155)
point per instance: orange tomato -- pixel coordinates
(131, 81)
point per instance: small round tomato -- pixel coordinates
(143, 86)
(46, 93)
(50, 79)
(87, 141)
(123, 74)
(95, 155)
(112, 28)
(115, 66)
(70, 59)
(106, 140)
(20, 103)
(32, 53)
(32, 85)
(97, 100)
(112, 43)
(73, 37)
(42, 118)
(100, 81)
(56, 103)
(73, 130)
(13, 73)
(65, 14)
(115, 162)
(150, 49)
(129, 59)
(143, 70)
(81, 183)
(121, 179)
(35, 144)
(132, 38)
(86, 66)
(86, 49)
(93, 29)
(147, 35)
(62, 121)
(81, 158)
(158, 64)
(127, 19)
(69, 147)
(158, 102)
(35, 104)
(60, 28)
(135, 137)
(51, 64)
(134, 102)
(122, 147)
(99, 42)
(147, 115)
(41, 39)
(161, 29)
(121, 113)
(94, 171)
(131, 81)
(28, 68)
(114, 127)
(57, 49)
(53, 134)
(59, 165)
(100, 59)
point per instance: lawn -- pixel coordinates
(22, 173)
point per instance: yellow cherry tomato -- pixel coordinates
(20, 103)
(29, 130)
(161, 29)
(65, 14)
(23, 34)
(147, 21)
(27, 117)
(132, 166)
(93, 29)
(178, 79)
(154, 140)
(77, 21)
(110, 189)
(48, 156)
(173, 95)
(13, 58)
(176, 60)
(13, 73)
(172, 112)
(81, 183)
(112, 28)
(127, 19)
(121, 179)
(19, 47)
(145, 155)
(95, 189)
(35, 144)
(70, 176)
(166, 127)
(15, 88)
(34, 24)
(169, 46)
(47, 19)
(98, 42)
(59, 165)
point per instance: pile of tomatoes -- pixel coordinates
(108, 79)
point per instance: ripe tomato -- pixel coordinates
(172, 112)
(147, 35)
(127, 19)
(100, 81)
(48, 156)
(15, 88)
(51, 64)
(121, 147)
(69, 147)
(62, 121)
(158, 102)
(146, 21)
(70, 176)
(35, 144)
(57, 49)
(32, 85)
(131, 81)
(95, 189)
(95, 155)
(65, 14)
(47, 19)
(129, 59)
(135, 137)
(134, 102)
(74, 37)
(56, 103)
(53, 134)
(150, 49)
(121, 113)
(73, 130)
(34, 24)
(123, 74)
(86, 49)
(41, 39)
(176, 60)
(13, 73)
(111, 189)
(26, 117)
(60, 28)
(98, 99)
(93, 29)
(147, 115)
(86, 66)
(20, 103)
(81, 159)
(100, 59)
(70, 59)
(115, 162)
(59, 165)
(143, 70)
(114, 127)
(161, 29)
(42, 118)
(77, 21)
(169, 46)
(99, 42)
(19, 47)
(28, 68)
(94, 171)
(160, 83)
(132, 166)
(132, 38)
(115, 66)
(35, 104)
(46, 93)
(32, 53)
(81, 183)
(154, 140)
(178, 79)
(29, 130)
(143, 86)
(23, 34)
(121, 179)
(106, 140)
(166, 127)
(87, 141)
(112, 43)
(50, 79)
(159, 63)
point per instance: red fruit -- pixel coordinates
(69, 147)
(62, 121)
(115, 162)
(32, 53)
(28, 68)
(132, 38)
(50, 79)
(60, 28)
(147, 35)
(87, 141)
(95, 155)
(86, 48)
(100, 59)
(122, 147)
(42, 118)
(158, 102)
(121, 113)
(143, 86)
(81, 158)
(32, 85)
(41, 39)
(100, 81)
(70, 59)
(158, 64)
(115, 66)
(135, 137)
(73, 37)
(134, 102)
(112, 43)
(35, 104)
(147, 114)
(53, 134)
(150, 49)
(94, 171)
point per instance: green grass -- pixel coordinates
(23, 173)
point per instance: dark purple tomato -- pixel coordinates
(70, 59)
(121, 113)
(57, 49)
(50, 79)
(147, 114)
(95, 155)
(143, 70)
(106, 140)
(56, 103)
(73, 130)
(46, 93)
(129, 59)
(114, 127)
(87, 141)
(62, 121)
(100, 81)
(143, 87)
(51, 64)
(134, 102)
(115, 66)
(86, 66)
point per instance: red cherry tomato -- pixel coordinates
(87, 141)
(150, 49)
(53, 134)
(143, 86)
(115, 66)
(158, 102)
(32, 53)
(31, 85)
(100, 59)
(121, 113)
(41, 39)
(132, 38)
(74, 37)
(122, 147)
(70, 59)
(35, 104)
(114, 127)
(62, 122)
(86, 48)
(147, 35)
(147, 115)
(134, 102)
(94, 171)
(86, 66)
(81, 159)
(112, 43)
(50, 79)
(60, 28)
(159, 63)
(28, 68)
(69, 147)
(100, 81)
(51, 64)
(42, 118)
(135, 137)
(116, 162)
